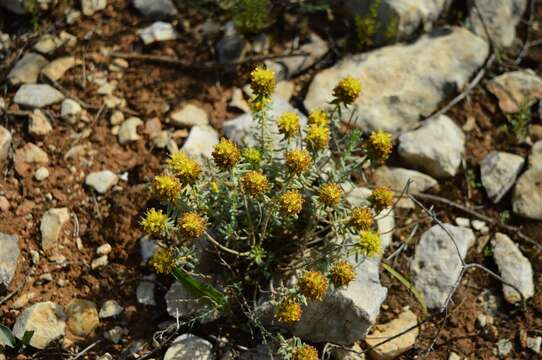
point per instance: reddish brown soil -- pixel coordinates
(149, 90)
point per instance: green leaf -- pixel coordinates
(403, 280)
(199, 288)
(6, 337)
(27, 337)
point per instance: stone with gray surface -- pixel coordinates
(499, 171)
(514, 267)
(404, 82)
(437, 147)
(436, 265)
(9, 254)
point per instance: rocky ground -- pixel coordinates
(97, 93)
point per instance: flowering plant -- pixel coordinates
(274, 210)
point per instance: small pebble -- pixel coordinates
(99, 262)
(41, 174)
(104, 249)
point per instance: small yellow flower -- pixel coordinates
(313, 285)
(162, 261)
(381, 198)
(318, 118)
(362, 219)
(252, 155)
(379, 146)
(226, 154)
(213, 185)
(166, 187)
(186, 169)
(154, 222)
(289, 124)
(262, 81)
(291, 202)
(369, 243)
(342, 273)
(317, 137)
(347, 90)
(192, 225)
(254, 182)
(330, 194)
(289, 311)
(305, 352)
(297, 161)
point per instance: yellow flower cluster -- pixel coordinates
(313, 285)
(330, 194)
(305, 352)
(369, 243)
(362, 219)
(186, 169)
(163, 261)
(262, 82)
(381, 198)
(342, 273)
(226, 154)
(317, 137)
(379, 146)
(192, 225)
(154, 221)
(347, 90)
(297, 161)
(318, 117)
(254, 183)
(289, 311)
(166, 187)
(289, 124)
(291, 202)
(252, 155)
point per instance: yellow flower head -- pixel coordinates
(305, 352)
(291, 202)
(342, 273)
(186, 169)
(330, 194)
(262, 81)
(192, 225)
(318, 118)
(289, 311)
(226, 154)
(154, 222)
(252, 155)
(317, 137)
(362, 219)
(297, 161)
(347, 90)
(254, 182)
(288, 124)
(381, 198)
(379, 145)
(163, 261)
(369, 243)
(166, 187)
(313, 285)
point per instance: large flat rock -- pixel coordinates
(404, 82)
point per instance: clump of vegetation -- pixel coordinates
(261, 209)
(251, 16)
(367, 26)
(518, 122)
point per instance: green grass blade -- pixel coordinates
(199, 288)
(403, 280)
(6, 337)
